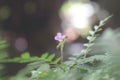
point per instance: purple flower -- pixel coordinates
(59, 37)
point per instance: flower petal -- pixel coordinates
(59, 37)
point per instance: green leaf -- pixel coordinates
(105, 20)
(50, 58)
(72, 58)
(56, 61)
(2, 42)
(102, 23)
(92, 39)
(89, 38)
(44, 56)
(91, 32)
(3, 55)
(100, 29)
(96, 27)
(86, 44)
(3, 46)
(89, 45)
(25, 55)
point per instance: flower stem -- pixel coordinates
(61, 51)
(62, 58)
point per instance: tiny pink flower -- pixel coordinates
(59, 37)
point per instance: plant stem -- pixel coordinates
(61, 51)
(62, 58)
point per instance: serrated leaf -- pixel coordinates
(91, 32)
(91, 44)
(25, 55)
(99, 30)
(86, 44)
(83, 51)
(102, 23)
(50, 58)
(89, 38)
(44, 56)
(92, 39)
(96, 27)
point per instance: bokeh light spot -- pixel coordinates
(21, 44)
(4, 13)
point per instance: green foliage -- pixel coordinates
(25, 58)
(98, 61)
(77, 65)
(81, 60)
(108, 42)
(3, 54)
(3, 46)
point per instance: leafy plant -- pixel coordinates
(76, 65)
(25, 57)
(98, 61)
(82, 60)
